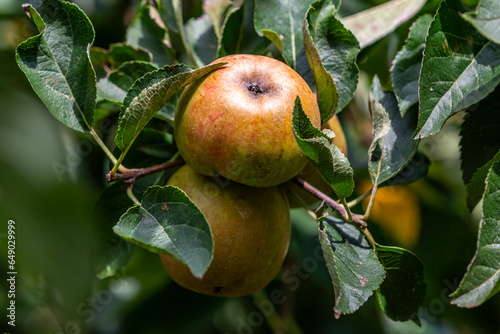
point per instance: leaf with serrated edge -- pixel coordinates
(168, 222)
(486, 19)
(148, 31)
(405, 69)
(475, 188)
(403, 290)
(352, 263)
(57, 64)
(482, 279)
(480, 136)
(393, 145)
(115, 86)
(373, 24)
(281, 22)
(460, 67)
(330, 162)
(149, 94)
(337, 51)
(327, 95)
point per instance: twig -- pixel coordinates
(372, 200)
(356, 219)
(132, 174)
(359, 199)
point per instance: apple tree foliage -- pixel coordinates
(450, 62)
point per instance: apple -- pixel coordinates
(251, 232)
(237, 121)
(311, 175)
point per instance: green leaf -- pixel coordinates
(115, 86)
(149, 94)
(372, 24)
(352, 263)
(281, 22)
(403, 290)
(122, 52)
(238, 33)
(392, 147)
(327, 95)
(148, 31)
(337, 49)
(480, 135)
(168, 222)
(216, 10)
(416, 169)
(475, 188)
(201, 39)
(486, 19)
(482, 279)
(57, 64)
(405, 70)
(332, 165)
(460, 67)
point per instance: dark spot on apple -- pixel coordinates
(256, 89)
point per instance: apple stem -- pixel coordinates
(356, 219)
(132, 174)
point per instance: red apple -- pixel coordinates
(237, 121)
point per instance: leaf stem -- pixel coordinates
(131, 195)
(117, 165)
(347, 216)
(132, 174)
(106, 150)
(370, 204)
(359, 199)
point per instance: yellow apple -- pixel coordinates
(250, 228)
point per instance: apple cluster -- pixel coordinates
(236, 123)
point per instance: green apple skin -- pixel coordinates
(251, 232)
(237, 121)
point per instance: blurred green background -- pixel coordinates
(50, 177)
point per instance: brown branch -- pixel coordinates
(356, 219)
(132, 174)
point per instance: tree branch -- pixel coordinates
(132, 174)
(356, 219)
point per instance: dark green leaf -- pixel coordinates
(392, 147)
(475, 188)
(149, 94)
(168, 14)
(327, 95)
(115, 86)
(405, 70)
(148, 31)
(480, 135)
(201, 39)
(482, 279)
(281, 22)
(416, 169)
(168, 222)
(238, 34)
(337, 49)
(57, 64)
(403, 290)
(372, 24)
(122, 52)
(486, 19)
(112, 252)
(216, 10)
(460, 67)
(352, 263)
(332, 165)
